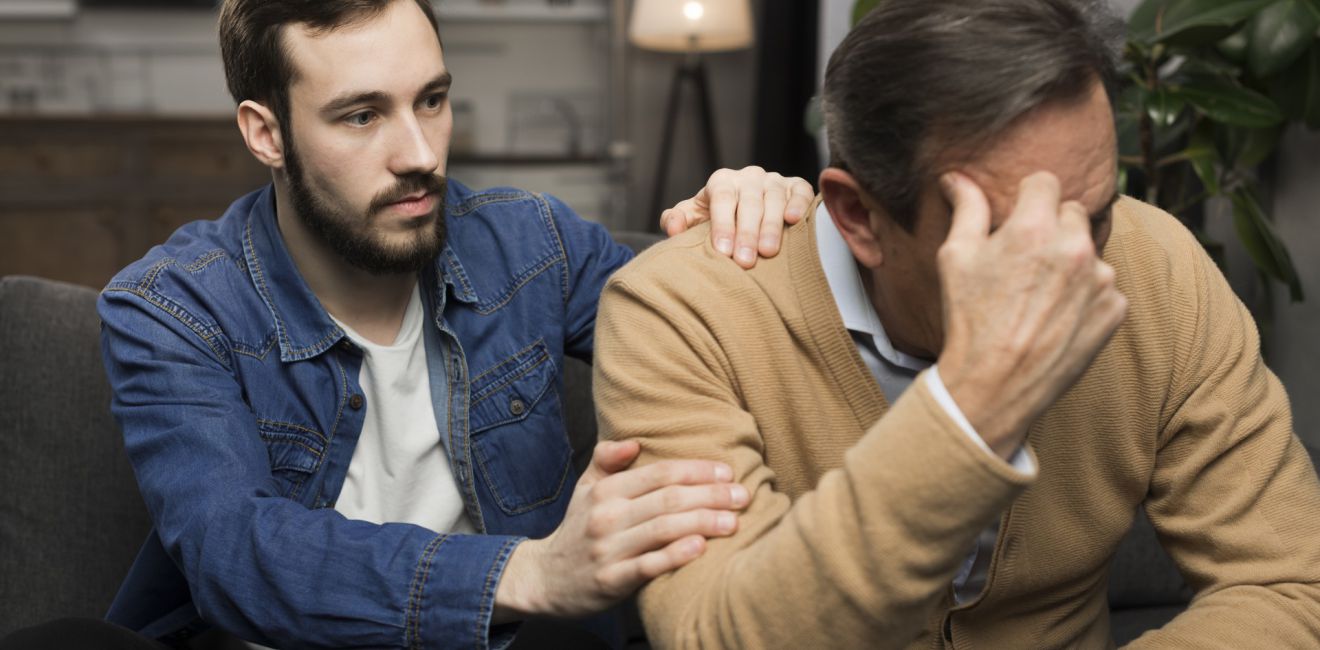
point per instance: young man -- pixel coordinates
(341, 399)
(971, 193)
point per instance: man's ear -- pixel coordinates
(261, 132)
(849, 205)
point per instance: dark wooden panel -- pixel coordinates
(226, 161)
(59, 160)
(79, 245)
(82, 198)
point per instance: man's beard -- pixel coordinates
(351, 236)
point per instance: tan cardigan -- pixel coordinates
(862, 510)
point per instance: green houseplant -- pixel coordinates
(1208, 88)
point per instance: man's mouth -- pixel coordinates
(416, 204)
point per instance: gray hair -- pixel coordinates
(917, 78)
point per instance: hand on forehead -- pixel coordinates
(1074, 141)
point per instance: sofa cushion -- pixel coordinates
(71, 517)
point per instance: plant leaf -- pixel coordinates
(1263, 244)
(1258, 145)
(1245, 148)
(1141, 24)
(1297, 89)
(861, 8)
(1279, 34)
(1189, 22)
(1312, 6)
(1204, 157)
(1234, 48)
(1228, 102)
(1170, 141)
(1290, 88)
(1164, 107)
(1312, 83)
(1128, 129)
(1229, 142)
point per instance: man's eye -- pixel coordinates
(435, 101)
(361, 119)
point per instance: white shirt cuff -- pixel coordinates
(1021, 460)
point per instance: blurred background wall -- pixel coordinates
(115, 128)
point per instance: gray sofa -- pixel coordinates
(71, 519)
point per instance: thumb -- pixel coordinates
(971, 210)
(673, 221)
(611, 457)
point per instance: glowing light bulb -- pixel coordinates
(694, 10)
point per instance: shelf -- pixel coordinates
(519, 160)
(37, 9)
(576, 12)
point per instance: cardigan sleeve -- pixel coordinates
(840, 566)
(1233, 496)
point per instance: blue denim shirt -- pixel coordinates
(239, 401)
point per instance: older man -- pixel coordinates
(975, 360)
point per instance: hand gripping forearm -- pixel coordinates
(623, 528)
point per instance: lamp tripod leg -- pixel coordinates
(666, 145)
(712, 142)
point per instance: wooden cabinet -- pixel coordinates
(81, 198)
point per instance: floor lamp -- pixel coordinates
(690, 28)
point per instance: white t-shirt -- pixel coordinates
(400, 471)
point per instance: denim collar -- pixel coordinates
(303, 327)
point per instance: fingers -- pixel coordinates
(688, 213)
(636, 482)
(971, 210)
(1074, 220)
(800, 196)
(679, 498)
(665, 529)
(772, 218)
(722, 192)
(751, 213)
(611, 457)
(673, 221)
(626, 577)
(635, 540)
(747, 210)
(1038, 199)
(1109, 306)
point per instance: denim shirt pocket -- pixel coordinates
(295, 452)
(518, 438)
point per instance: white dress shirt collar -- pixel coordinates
(854, 304)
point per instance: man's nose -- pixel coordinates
(412, 150)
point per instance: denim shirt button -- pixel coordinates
(517, 407)
(355, 402)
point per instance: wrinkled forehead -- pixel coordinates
(1074, 140)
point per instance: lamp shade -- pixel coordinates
(691, 25)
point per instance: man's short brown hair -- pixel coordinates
(257, 65)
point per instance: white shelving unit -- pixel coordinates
(37, 9)
(548, 75)
(538, 79)
(577, 12)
